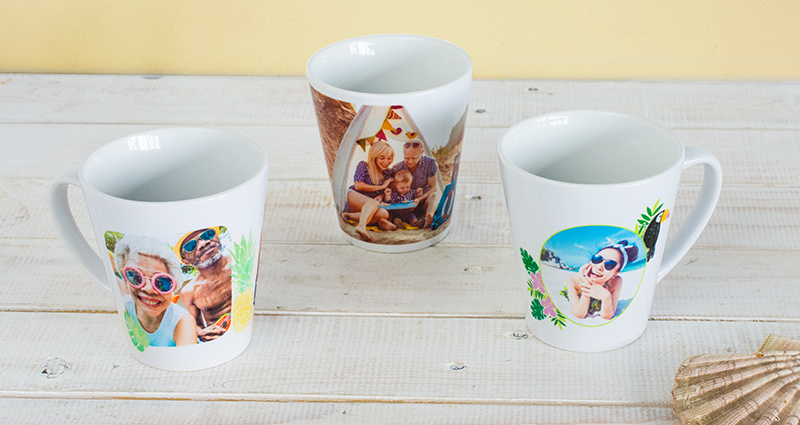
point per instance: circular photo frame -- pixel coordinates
(593, 273)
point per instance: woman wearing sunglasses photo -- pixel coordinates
(150, 274)
(596, 288)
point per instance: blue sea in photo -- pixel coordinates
(575, 246)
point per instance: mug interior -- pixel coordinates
(590, 147)
(389, 64)
(173, 164)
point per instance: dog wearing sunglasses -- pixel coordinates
(597, 285)
(208, 295)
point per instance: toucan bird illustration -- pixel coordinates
(651, 234)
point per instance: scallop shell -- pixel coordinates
(779, 343)
(759, 388)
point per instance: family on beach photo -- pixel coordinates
(393, 194)
(593, 272)
(391, 186)
(176, 290)
(393, 175)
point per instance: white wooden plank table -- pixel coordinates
(336, 342)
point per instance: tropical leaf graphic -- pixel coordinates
(137, 333)
(537, 309)
(649, 227)
(642, 223)
(528, 261)
(541, 305)
(111, 239)
(559, 320)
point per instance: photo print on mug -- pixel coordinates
(379, 153)
(184, 289)
(592, 268)
(589, 275)
(592, 272)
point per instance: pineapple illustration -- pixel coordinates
(244, 279)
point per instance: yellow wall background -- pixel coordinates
(549, 39)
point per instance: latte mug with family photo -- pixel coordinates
(391, 111)
(177, 216)
(591, 196)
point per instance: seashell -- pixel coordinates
(759, 388)
(779, 343)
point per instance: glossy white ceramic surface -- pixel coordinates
(588, 147)
(579, 169)
(173, 164)
(387, 64)
(166, 182)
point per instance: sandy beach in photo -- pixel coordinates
(393, 237)
(556, 279)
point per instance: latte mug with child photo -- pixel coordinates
(591, 196)
(177, 215)
(392, 111)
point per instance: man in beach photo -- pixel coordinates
(208, 296)
(423, 170)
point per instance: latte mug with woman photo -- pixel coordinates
(591, 196)
(389, 105)
(177, 215)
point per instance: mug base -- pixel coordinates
(195, 357)
(579, 345)
(400, 248)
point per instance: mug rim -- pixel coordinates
(87, 186)
(340, 93)
(509, 164)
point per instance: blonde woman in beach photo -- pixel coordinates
(371, 178)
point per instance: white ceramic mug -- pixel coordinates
(391, 111)
(177, 214)
(589, 196)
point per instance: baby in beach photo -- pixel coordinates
(399, 191)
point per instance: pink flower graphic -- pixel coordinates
(549, 307)
(536, 282)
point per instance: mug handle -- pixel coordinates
(68, 229)
(698, 217)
